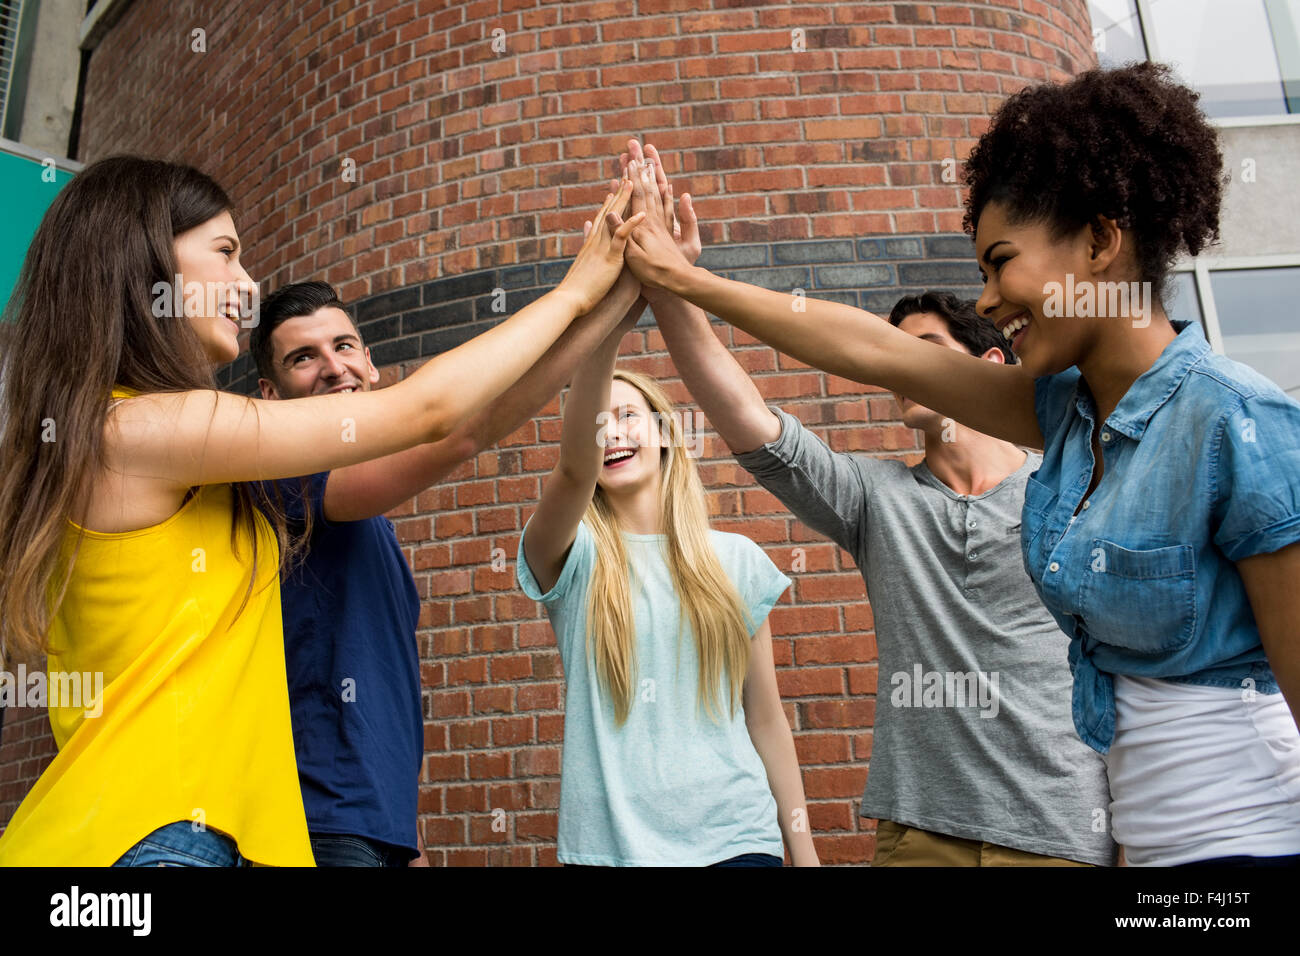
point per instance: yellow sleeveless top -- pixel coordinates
(193, 721)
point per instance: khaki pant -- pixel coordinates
(899, 845)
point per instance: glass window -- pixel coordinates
(1116, 32)
(1259, 318)
(1226, 50)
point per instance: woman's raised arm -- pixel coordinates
(201, 437)
(994, 399)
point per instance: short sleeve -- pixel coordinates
(1052, 397)
(577, 568)
(1257, 477)
(294, 499)
(828, 491)
(759, 581)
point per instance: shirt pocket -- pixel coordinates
(1144, 601)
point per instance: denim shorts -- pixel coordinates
(338, 849)
(179, 844)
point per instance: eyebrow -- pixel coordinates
(932, 337)
(345, 337)
(993, 246)
(230, 239)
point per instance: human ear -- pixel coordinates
(1106, 239)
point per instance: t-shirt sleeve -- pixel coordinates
(577, 568)
(1257, 478)
(295, 499)
(759, 581)
(1052, 397)
(826, 490)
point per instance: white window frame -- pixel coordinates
(1202, 266)
(1152, 46)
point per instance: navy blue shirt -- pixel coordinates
(350, 611)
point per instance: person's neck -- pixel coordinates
(1120, 355)
(970, 462)
(638, 512)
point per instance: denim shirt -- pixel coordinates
(1202, 469)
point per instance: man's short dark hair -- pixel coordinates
(976, 333)
(288, 302)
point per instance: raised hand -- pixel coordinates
(600, 260)
(653, 252)
(686, 228)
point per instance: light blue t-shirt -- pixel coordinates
(671, 787)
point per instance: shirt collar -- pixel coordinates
(1154, 387)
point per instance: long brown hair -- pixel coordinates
(709, 603)
(80, 321)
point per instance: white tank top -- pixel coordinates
(1202, 772)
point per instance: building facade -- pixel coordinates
(435, 161)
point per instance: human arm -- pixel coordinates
(568, 490)
(724, 390)
(1273, 586)
(420, 860)
(994, 399)
(376, 487)
(770, 732)
(191, 438)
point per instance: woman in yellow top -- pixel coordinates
(131, 547)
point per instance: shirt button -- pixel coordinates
(1053, 567)
(971, 524)
(974, 555)
(1085, 505)
(1105, 436)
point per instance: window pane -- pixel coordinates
(1259, 316)
(1223, 48)
(1116, 32)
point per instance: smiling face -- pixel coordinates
(213, 282)
(632, 443)
(933, 328)
(316, 354)
(1019, 262)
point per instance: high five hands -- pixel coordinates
(662, 245)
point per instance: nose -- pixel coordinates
(333, 366)
(989, 299)
(247, 288)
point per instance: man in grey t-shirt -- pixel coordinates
(975, 760)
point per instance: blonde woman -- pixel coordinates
(676, 746)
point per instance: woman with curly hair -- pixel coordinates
(1163, 528)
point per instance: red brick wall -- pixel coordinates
(468, 159)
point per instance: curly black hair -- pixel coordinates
(1129, 144)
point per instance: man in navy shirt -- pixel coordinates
(350, 609)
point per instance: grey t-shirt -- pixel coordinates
(973, 735)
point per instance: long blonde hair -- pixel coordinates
(709, 602)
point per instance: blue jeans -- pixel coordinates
(752, 859)
(178, 844)
(336, 849)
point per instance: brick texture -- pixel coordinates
(822, 142)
